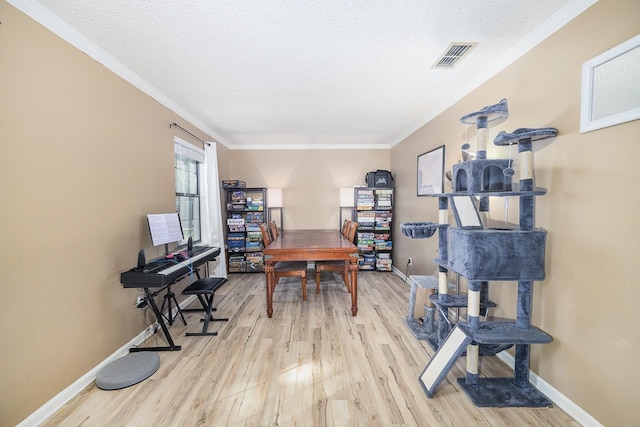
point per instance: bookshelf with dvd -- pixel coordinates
(246, 210)
(374, 214)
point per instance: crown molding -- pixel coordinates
(311, 147)
(44, 17)
(50, 21)
(556, 21)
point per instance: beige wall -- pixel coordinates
(310, 179)
(590, 211)
(86, 156)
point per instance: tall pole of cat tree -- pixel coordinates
(477, 290)
(482, 137)
(473, 320)
(525, 287)
(482, 130)
(443, 281)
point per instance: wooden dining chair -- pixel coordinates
(286, 268)
(267, 237)
(345, 226)
(349, 232)
(274, 229)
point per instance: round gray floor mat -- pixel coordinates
(128, 370)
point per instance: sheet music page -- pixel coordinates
(165, 228)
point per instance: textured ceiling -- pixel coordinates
(304, 73)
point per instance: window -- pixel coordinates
(188, 168)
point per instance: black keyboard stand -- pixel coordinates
(143, 277)
(169, 299)
(172, 346)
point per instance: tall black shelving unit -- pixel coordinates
(374, 214)
(246, 209)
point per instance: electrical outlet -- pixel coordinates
(140, 302)
(410, 261)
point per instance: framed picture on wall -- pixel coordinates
(431, 172)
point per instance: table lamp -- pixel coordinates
(274, 202)
(346, 202)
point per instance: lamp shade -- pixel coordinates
(274, 197)
(346, 197)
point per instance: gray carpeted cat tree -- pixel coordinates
(482, 255)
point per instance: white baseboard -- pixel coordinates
(558, 399)
(399, 273)
(58, 401)
(53, 405)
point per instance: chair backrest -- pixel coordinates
(345, 227)
(351, 231)
(274, 229)
(266, 234)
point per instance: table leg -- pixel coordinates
(353, 267)
(270, 278)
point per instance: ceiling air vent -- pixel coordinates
(453, 54)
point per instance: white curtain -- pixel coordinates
(212, 231)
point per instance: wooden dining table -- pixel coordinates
(311, 245)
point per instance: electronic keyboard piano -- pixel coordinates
(163, 272)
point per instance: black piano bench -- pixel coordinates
(205, 289)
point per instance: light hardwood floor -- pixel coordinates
(312, 364)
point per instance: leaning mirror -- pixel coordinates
(610, 87)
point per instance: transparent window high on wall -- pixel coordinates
(188, 194)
